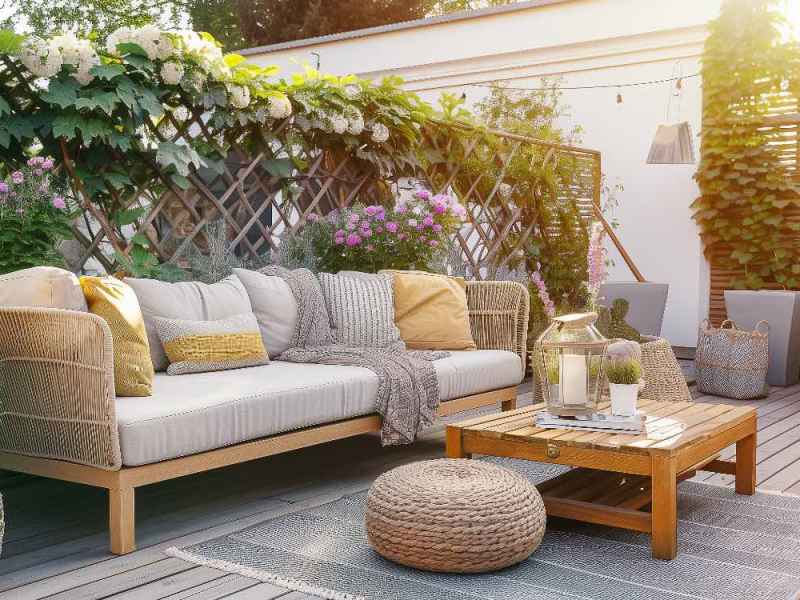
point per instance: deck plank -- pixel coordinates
(57, 543)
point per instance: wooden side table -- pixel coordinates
(619, 476)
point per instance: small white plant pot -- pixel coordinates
(623, 398)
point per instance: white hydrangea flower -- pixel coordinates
(166, 49)
(172, 73)
(149, 38)
(380, 133)
(78, 53)
(355, 124)
(504, 190)
(280, 107)
(240, 96)
(123, 35)
(181, 113)
(167, 129)
(205, 53)
(41, 58)
(339, 124)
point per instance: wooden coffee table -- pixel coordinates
(620, 476)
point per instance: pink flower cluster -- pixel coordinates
(32, 181)
(544, 295)
(596, 261)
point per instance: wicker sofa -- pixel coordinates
(59, 416)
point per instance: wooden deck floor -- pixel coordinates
(56, 541)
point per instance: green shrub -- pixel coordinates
(624, 372)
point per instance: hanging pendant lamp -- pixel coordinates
(672, 145)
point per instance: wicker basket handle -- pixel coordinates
(728, 322)
(762, 323)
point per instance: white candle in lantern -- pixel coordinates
(573, 379)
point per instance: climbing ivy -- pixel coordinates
(746, 190)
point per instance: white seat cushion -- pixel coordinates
(193, 413)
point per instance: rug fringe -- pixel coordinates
(288, 583)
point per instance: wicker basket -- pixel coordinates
(2, 524)
(664, 380)
(731, 362)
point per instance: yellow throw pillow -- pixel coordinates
(431, 311)
(116, 302)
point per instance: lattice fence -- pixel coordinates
(268, 187)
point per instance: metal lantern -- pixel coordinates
(569, 357)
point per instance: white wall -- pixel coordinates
(584, 42)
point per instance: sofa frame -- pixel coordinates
(57, 417)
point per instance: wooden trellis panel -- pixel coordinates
(261, 195)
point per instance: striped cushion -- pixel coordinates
(361, 308)
(199, 346)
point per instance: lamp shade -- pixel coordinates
(672, 145)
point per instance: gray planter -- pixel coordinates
(782, 311)
(646, 301)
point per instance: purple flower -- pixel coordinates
(428, 221)
(433, 243)
(370, 248)
(312, 218)
(35, 161)
(401, 209)
(17, 177)
(338, 241)
(439, 208)
(58, 202)
(423, 194)
(350, 226)
(47, 164)
(437, 227)
(391, 227)
(379, 229)
(365, 232)
(340, 233)
(401, 236)
(420, 227)
(353, 239)
(372, 210)
(3, 187)
(354, 218)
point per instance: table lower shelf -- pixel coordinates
(607, 498)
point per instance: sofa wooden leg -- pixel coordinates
(122, 519)
(508, 404)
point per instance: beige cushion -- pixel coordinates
(431, 311)
(193, 301)
(274, 306)
(45, 287)
(202, 411)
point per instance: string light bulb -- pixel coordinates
(619, 97)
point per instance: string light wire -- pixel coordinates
(586, 87)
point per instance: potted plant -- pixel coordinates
(624, 371)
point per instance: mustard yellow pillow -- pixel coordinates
(431, 311)
(116, 302)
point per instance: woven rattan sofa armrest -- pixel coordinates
(57, 386)
(498, 314)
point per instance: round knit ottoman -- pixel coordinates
(454, 516)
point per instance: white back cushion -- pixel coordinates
(45, 287)
(274, 306)
(188, 300)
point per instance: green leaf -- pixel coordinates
(279, 167)
(179, 156)
(118, 180)
(119, 140)
(105, 101)
(131, 48)
(181, 181)
(5, 109)
(126, 91)
(233, 60)
(62, 93)
(128, 216)
(149, 102)
(10, 41)
(140, 239)
(107, 72)
(21, 127)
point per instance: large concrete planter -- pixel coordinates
(646, 303)
(782, 311)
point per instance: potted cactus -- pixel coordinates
(624, 371)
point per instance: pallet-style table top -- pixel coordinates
(670, 427)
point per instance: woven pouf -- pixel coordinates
(454, 516)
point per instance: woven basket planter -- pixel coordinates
(454, 516)
(2, 524)
(664, 380)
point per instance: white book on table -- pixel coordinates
(595, 422)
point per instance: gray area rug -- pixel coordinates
(730, 547)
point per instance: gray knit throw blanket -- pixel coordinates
(408, 390)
